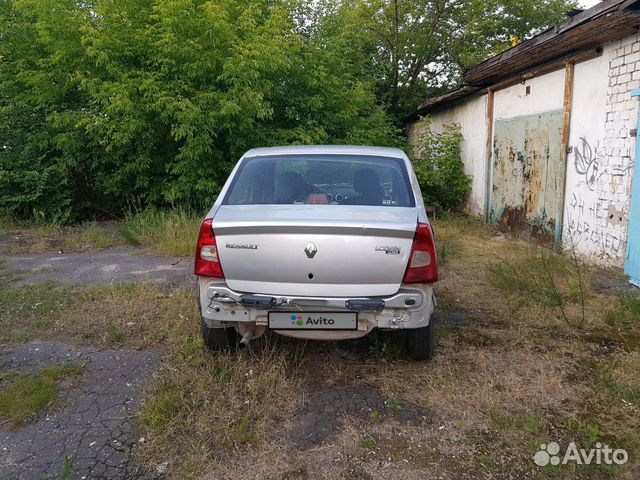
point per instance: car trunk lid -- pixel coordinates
(314, 250)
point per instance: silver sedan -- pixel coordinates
(318, 242)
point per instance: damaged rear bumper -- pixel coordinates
(410, 307)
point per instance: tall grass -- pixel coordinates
(627, 311)
(546, 278)
(173, 232)
(201, 406)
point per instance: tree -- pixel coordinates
(413, 48)
(151, 102)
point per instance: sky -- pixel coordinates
(588, 3)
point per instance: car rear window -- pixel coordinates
(321, 180)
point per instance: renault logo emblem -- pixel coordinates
(310, 250)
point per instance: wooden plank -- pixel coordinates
(568, 98)
(489, 154)
(564, 136)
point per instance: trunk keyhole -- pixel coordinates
(311, 276)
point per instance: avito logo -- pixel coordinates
(298, 321)
(320, 321)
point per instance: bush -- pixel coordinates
(109, 104)
(439, 167)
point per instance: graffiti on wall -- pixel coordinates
(587, 161)
(587, 224)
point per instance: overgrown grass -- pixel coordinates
(163, 232)
(133, 315)
(22, 395)
(508, 375)
(87, 236)
(546, 278)
(203, 406)
(170, 232)
(626, 312)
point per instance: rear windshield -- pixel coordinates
(321, 180)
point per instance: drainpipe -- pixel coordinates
(489, 156)
(564, 136)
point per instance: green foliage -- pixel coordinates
(438, 164)
(106, 104)
(412, 49)
(111, 104)
(393, 402)
(368, 443)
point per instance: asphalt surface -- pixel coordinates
(89, 428)
(89, 425)
(116, 264)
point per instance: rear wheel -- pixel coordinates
(220, 338)
(421, 342)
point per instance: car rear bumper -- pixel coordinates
(410, 307)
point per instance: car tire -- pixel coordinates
(219, 339)
(421, 342)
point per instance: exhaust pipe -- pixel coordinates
(244, 341)
(249, 331)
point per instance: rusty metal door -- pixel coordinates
(528, 175)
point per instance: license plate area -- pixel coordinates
(313, 320)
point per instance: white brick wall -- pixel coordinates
(614, 185)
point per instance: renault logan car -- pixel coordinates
(318, 242)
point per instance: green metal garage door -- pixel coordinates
(528, 175)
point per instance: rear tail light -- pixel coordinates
(423, 262)
(207, 262)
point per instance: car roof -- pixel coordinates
(326, 149)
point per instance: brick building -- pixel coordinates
(550, 130)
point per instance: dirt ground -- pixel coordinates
(519, 364)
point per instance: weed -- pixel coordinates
(484, 463)
(26, 394)
(375, 416)
(382, 346)
(67, 469)
(539, 279)
(393, 402)
(368, 443)
(242, 432)
(584, 430)
(115, 333)
(627, 311)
